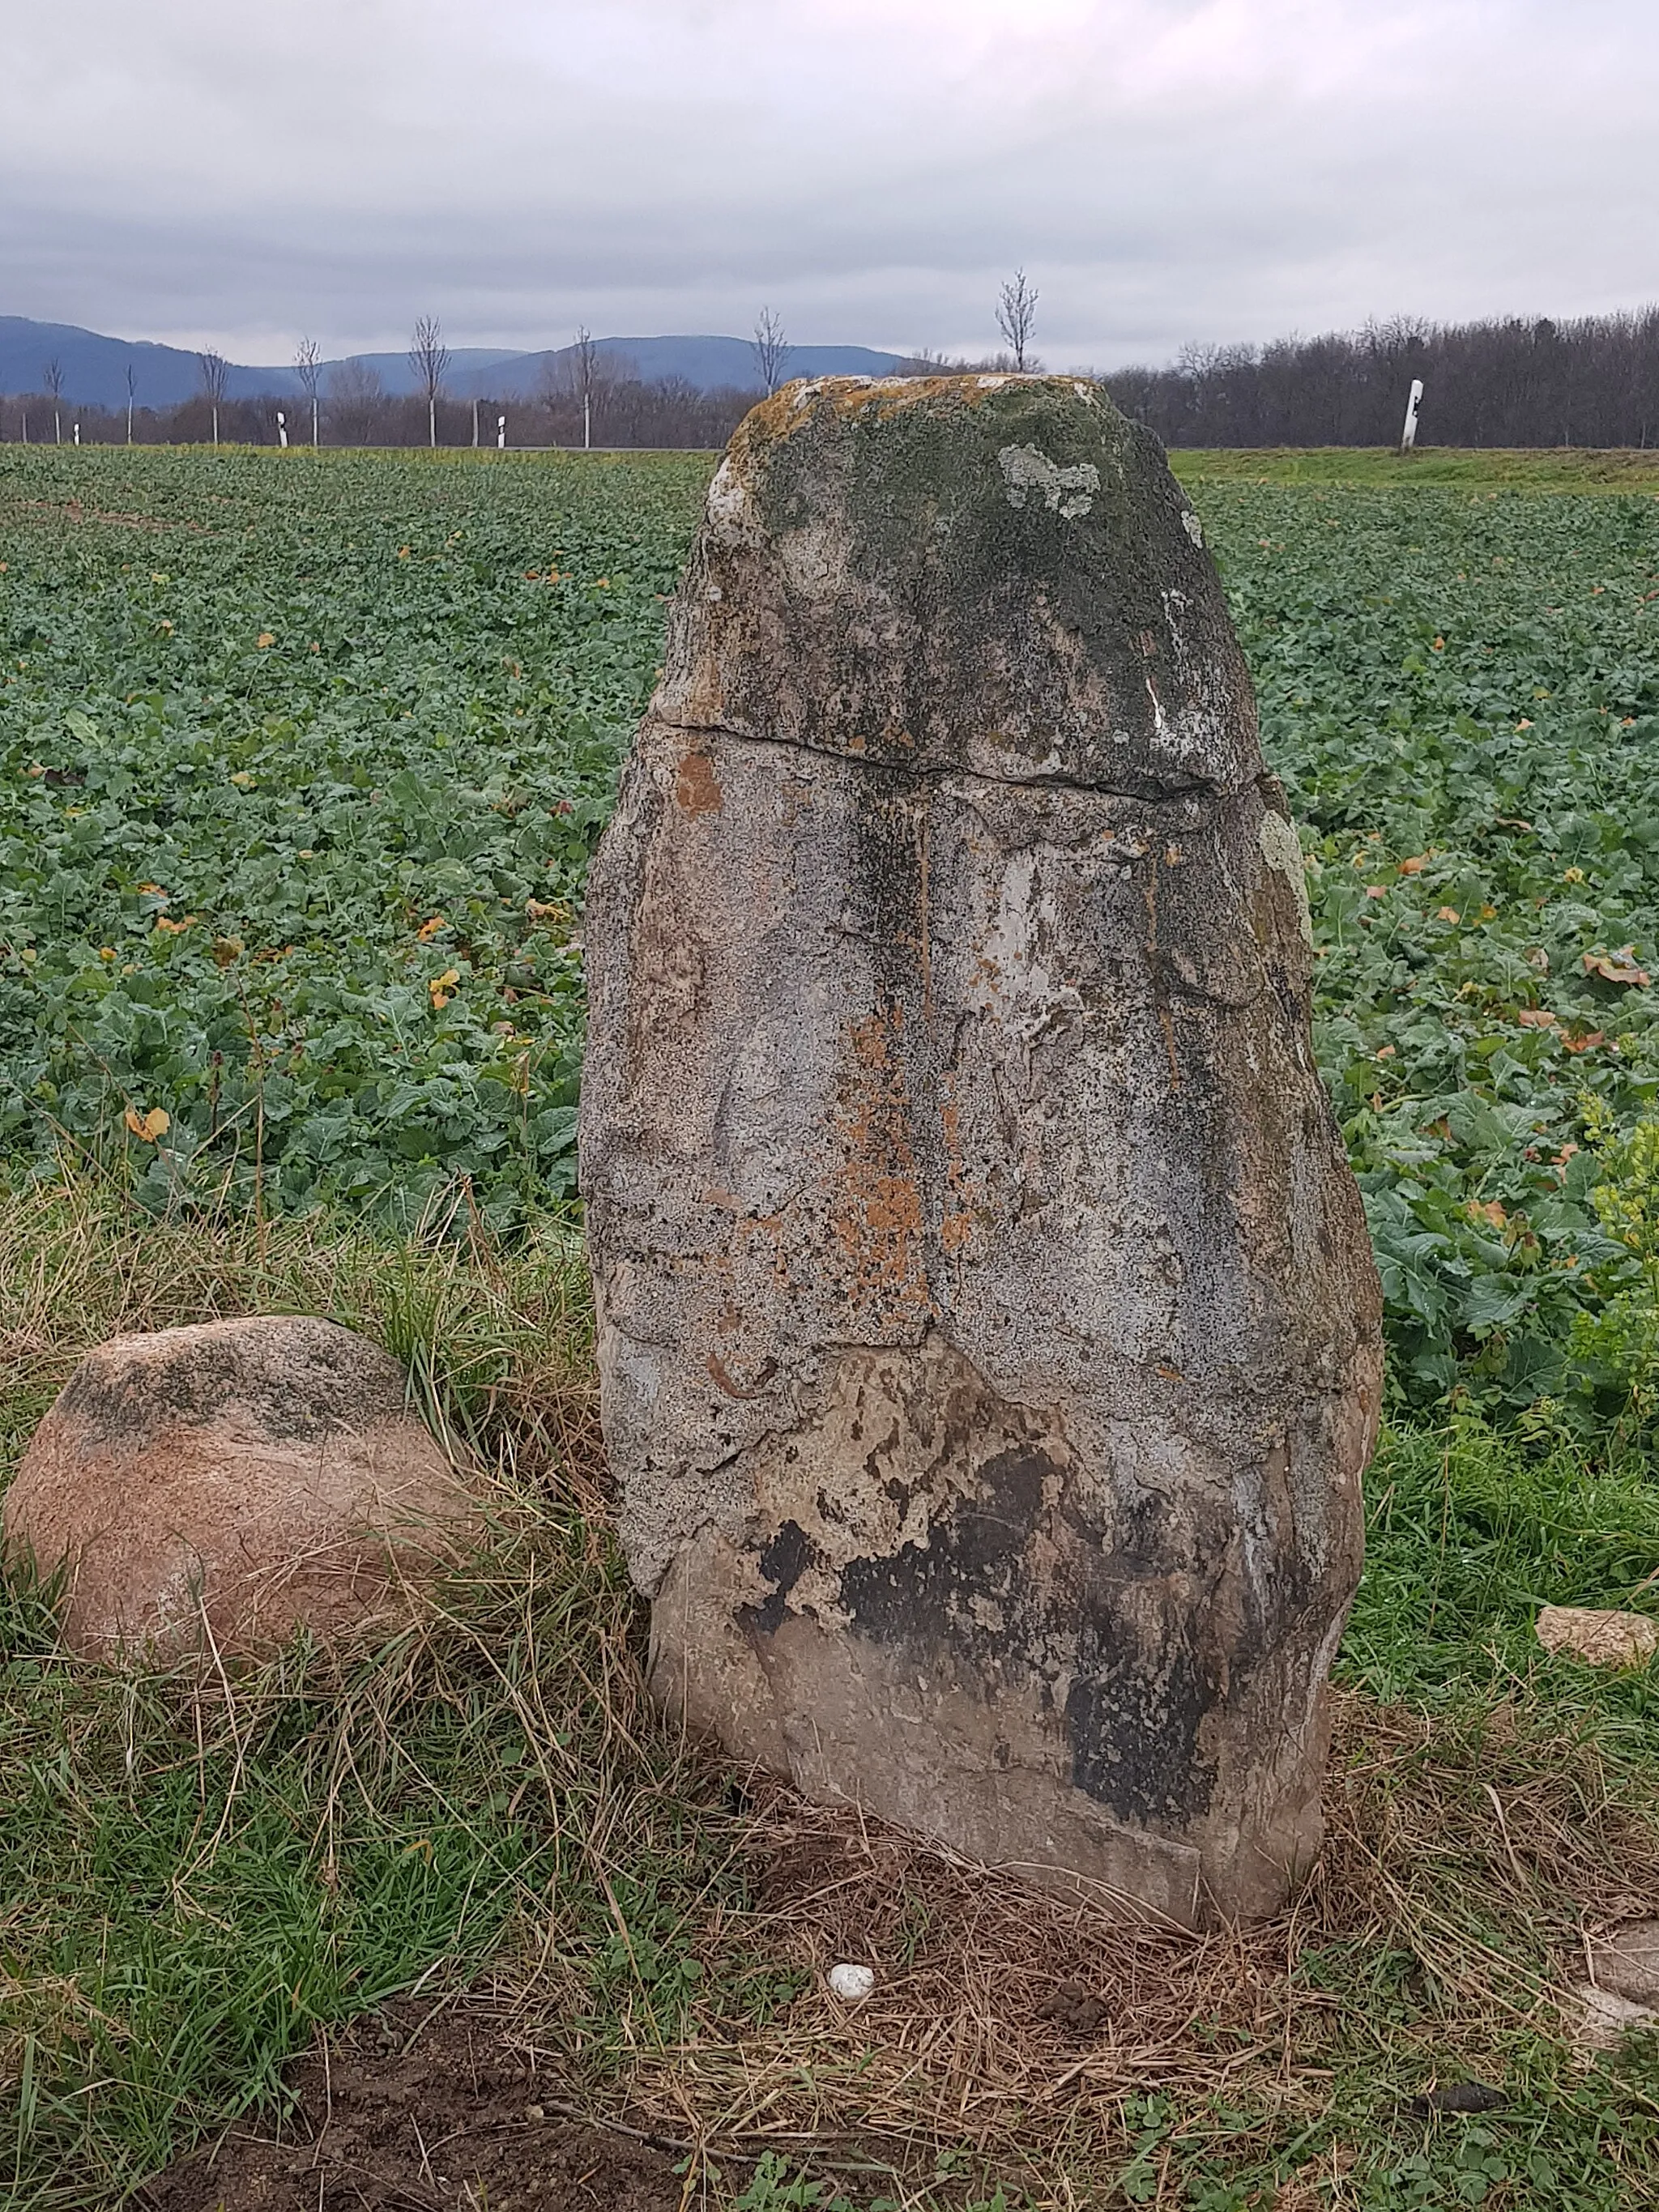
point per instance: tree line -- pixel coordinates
(1592, 382)
(587, 398)
(354, 408)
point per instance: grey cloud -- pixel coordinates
(1167, 169)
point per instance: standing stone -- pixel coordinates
(989, 1332)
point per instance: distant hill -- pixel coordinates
(708, 364)
(95, 366)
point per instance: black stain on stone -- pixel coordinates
(1134, 1735)
(1136, 1693)
(926, 1594)
(783, 1563)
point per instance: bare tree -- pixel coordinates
(428, 356)
(771, 349)
(585, 365)
(132, 386)
(1017, 316)
(53, 373)
(355, 402)
(308, 368)
(215, 375)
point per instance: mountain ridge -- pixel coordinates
(94, 366)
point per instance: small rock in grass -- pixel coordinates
(852, 1984)
(1458, 2097)
(1605, 2017)
(240, 1478)
(1605, 1638)
(1626, 1960)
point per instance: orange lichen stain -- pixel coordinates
(790, 408)
(1167, 1022)
(848, 398)
(987, 976)
(696, 787)
(892, 394)
(876, 1215)
(772, 419)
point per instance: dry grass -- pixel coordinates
(349, 1821)
(79, 1265)
(1460, 1872)
(665, 1942)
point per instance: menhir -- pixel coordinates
(988, 1327)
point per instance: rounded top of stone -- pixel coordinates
(295, 1374)
(994, 572)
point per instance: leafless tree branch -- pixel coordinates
(308, 367)
(428, 356)
(215, 375)
(1017, 316)
(771, 349)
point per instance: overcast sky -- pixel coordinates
(1167, 171)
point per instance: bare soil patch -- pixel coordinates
(418, 2109)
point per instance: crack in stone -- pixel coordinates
(935, 772)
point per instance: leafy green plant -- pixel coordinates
(775, 2186)
(300, 769)
(1459, 687)
(1618, 1347)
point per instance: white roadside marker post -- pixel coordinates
(1408, 436)
(500, 433)
(282, 429)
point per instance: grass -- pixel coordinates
(1492, 468)
(198, 1881)
(199, 1873)
(301, 761)
(1468, 1537)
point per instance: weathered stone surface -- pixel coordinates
(988, 1330)
(258, 1474)
(1600, 1636)
(1626, 1960)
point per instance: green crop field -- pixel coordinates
(301, 764)
(301, 770)
(301, 761)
